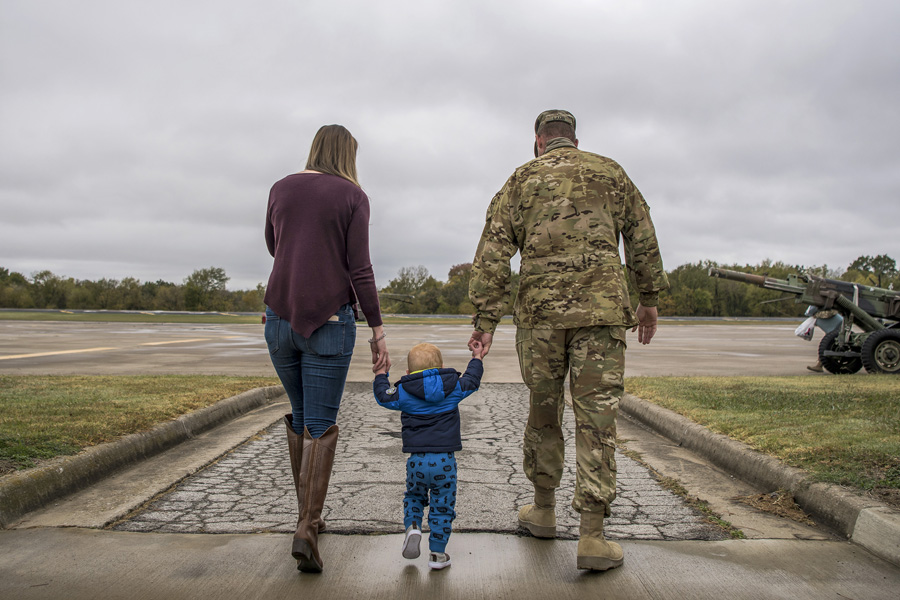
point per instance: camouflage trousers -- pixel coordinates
(594, 360)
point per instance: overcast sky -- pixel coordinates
(141, 138)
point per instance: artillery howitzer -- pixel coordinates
(874, 310)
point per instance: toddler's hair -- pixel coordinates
(424, 356)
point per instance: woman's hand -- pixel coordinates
(381, 360)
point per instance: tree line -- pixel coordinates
(415, 291)
(202, 290)
(693, 293)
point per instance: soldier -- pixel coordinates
(827, 321)
(564, 212)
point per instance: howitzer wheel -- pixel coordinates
(839, 365)
(881, 351)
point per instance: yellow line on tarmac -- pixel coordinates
(176, 342)
(37, 354)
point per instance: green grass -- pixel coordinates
(46, 416)
(840, 429)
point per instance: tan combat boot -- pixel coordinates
(540, 518)
(594, 552)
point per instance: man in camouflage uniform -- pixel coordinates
(827, 321)
(564, 212)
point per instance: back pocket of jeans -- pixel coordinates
(328, 340)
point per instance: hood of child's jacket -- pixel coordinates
(432, 385)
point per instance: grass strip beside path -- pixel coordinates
(46, 416)
(842, 429)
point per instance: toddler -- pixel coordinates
(427, 397)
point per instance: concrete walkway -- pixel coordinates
(245, 491)
(80, 564)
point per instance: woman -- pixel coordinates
(317, 228)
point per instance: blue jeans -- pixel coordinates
(312, 370)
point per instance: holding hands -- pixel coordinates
(480, 343)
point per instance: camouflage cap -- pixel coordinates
(554, 114)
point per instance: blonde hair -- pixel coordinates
(424, 356)
(333, 151)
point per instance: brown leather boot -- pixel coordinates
(594, 552)
(315, 472)
(295, 450)
(540, 518)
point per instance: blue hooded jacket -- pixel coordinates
(429, 404)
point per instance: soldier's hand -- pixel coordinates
(481, 341)
(646, 328)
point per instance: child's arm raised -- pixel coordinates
(385, 394)
(471, 379)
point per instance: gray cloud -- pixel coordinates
(141, 140)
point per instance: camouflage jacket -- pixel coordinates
(564, 212)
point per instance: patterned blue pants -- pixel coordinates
(435, 473)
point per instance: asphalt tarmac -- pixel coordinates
(679, 348)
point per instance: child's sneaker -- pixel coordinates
(439, 560)
(411, 542)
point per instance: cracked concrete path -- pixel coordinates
(249, 489)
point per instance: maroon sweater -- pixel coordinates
(317, 228)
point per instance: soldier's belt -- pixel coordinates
(574, 262)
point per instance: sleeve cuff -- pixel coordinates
(650, 300)
(485, 325)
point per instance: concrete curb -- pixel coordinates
(25, 491)
(869, 523)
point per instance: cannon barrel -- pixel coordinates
(862, 301)
(737, 276)
(765, 282)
